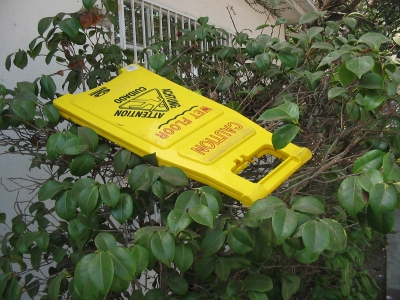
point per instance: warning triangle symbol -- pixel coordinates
(151, 100)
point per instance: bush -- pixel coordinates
(109, 224)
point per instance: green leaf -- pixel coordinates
(360, 65)
(373, 99)
(383, 197)
(178, 220)
(257, 283)
(183, 258)
(110, 194)
(337, 235)
(336, 92)
(48, 86)
(369, 179)
(121, 160)
(211, 202)
(239, 241)
(315, 237)
(204, 267)
(141, 178)
(124, 263)
(3, 219)
(157, 61)
(284, 135)
(371, 160)
(202, 20)
(158, 189)
(265, 208)
(83, 286)
(374, 40)
(3, 282)
(371, 81)
(309, 205)
(82, 164)
(253, 48)
(308, 18)
(13, 290)
(290, 285)
(119, 286)
(350, 22)
(202, 214)
(74, 146)
(51, 113)
(23, 108)
(42, 240)
(314, 76)
(105, 241)
(49, 190)
(284, 222)
(212, 242)
(54, 287)
(101, 271)
(21, 59)
(8, 62)
(224, 82)
(322, 45)
(124, 209)
(86, 193)
(257, 296)
(222, 268)
(65, 206)
(178, 285)
(44, 24)
(89, 136)
(55, 145)
(383, 223)
(174, 176)
(288, 59)
(286, 111)
(350, 196)
(58, 254)
(141, 258)
(187, 200)
(391, 171)
(76, 229)
(88, 4)
(70, 26)
(346, 77)
(163, 247)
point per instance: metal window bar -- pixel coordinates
(138, 22)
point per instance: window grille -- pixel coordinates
(140, 20)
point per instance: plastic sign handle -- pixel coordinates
(146, 113)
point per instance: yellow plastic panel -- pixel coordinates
(146, 113)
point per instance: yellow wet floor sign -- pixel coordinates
(211, 143)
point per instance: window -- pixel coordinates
(140, 20)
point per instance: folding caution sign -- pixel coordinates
(211, 143)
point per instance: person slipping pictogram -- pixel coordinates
(151, 100)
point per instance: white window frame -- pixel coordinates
(148, 9)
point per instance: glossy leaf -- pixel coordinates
(141, 258)
(23, 108)
(239, 241)
(48, 86)
(257, 282)
(204, 267)
(288, 59)
(262, 61)
(88, 4)
(222, 268)
(44, 24)
(76, 229)
(346, 77)
(105, 241)
(158, 189)
(70, 26)
(89, 136)
(124, 263)
(383, 223)
(183, 258)
(49, 190)
(265, 208)
(110, 194)
(383, 197)
(224, 82)
(54, 287)
(82, 164)
(373, 99)
(350, 196)
(21, 59)
(211, 202)
(315, 237)
(119, 286)
(65, 206)
(284, 135)
(360, 65)
(187, 200)
(290, 285)
(101, 271)
(178, 220)
(86, 193)
(371, 160)
(157, 61)
(51, 113)
(369, 179)
(54, 145)
(309, 205)
(284, 222)
(202, 214)
(212, 242)
(13, 290)
(141, 178)
(287, 110)
(123, 210)
(337, 235)
(391, 171)
(308, 18)
(42, 240)
(374, 40)
(74, 146)
(163, 247)
(178, 284)
(336, 92)
(174, 176)
(121, 160)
